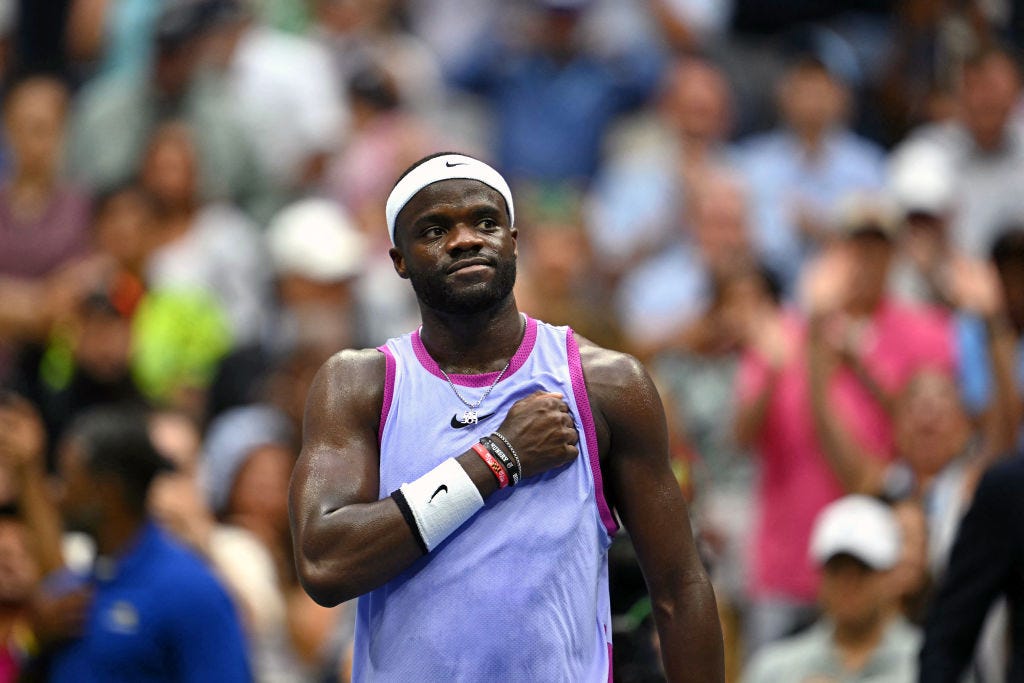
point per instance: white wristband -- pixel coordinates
(441, 501)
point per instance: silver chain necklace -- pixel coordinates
(469, 416)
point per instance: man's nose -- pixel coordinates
(464, 236)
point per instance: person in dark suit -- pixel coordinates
(987, 562)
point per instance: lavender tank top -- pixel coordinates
(520, 591)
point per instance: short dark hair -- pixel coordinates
(115, 443)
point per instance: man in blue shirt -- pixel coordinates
(157, 614)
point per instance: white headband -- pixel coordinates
(446, 167)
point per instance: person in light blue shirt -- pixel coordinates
(157, 612)
(800, 171)
(555, 98)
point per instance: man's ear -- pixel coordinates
(515, 241)
(398, 261)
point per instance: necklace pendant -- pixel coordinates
(469, 417)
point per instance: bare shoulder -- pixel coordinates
(612, 375)
(347, 390)
(628, 413)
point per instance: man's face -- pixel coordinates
(989, 93)
(34, 124)
(811, 99)
(454, 244)
(852, 593)
(696, 101)
(931, 426)
(871, 254)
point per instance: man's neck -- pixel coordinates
(473, 344)
(856, 643)
(118, 534)
(812, 140)
(30, 193)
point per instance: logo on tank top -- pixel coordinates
(459, 424)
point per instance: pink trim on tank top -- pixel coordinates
(611, 678)
(484, 380)
(579, 390)
(389, 389)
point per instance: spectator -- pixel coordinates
(662, 295)
(19, 574)
(985, 366)
(985, 565)
(113, 35)
(696, 377)
(644, 190)
(247, 461)
(371, 34)
(923, 184)
(803, 168)
(985, 144)
(846, 294)
(856, 542)
(564, 291)
(287, 90)
(386, 137)
(208, 246)
(44, 220)
(553, 98)
(115, 116)
(90, 365)
(107, 464)
(124, 229)
(318, 256)
(29, 537)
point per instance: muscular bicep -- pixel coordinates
(340, 454)
(643, 487)
(339, 463)
(346, 541)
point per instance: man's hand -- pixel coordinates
(56, 618)
(542, 431)
(974, 286)
(826, 281)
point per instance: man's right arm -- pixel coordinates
(347, 542)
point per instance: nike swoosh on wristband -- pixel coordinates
(456, 424)
(442, 487)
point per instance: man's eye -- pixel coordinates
(433, 232)
(488, 224)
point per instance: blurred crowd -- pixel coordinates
(807, 218)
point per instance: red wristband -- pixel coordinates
(495, 466)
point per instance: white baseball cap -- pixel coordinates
(316, 239)
(922, 179)
(859, 526)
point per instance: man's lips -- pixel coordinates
(468, 263)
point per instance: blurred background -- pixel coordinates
(806, 217)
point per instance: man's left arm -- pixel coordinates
(651, 505)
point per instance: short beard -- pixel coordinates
(438, 294)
